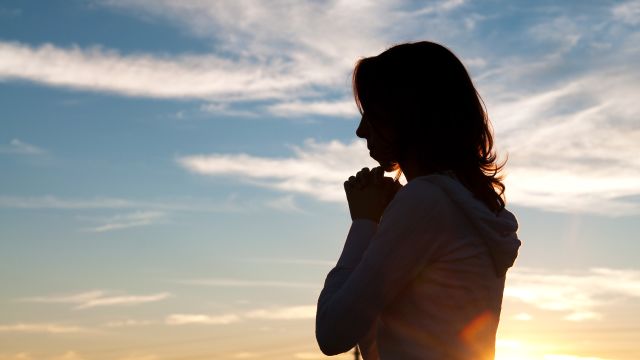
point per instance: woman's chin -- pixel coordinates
(388, 165)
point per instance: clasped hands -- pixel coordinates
(369, 192)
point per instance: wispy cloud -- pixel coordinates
(570, 131)
(284, 203)
(69, 355)
(316, 169)
(286, 313)
(230, 204)
(249, 63)
(125, 221)
(343, 108)
(543, 173)
(571, 147)
(578, 295)
(98, 69)
(98, 298)
(628, 12)
(128, 323)
(248, 283)
(54, 202)
(19, 147)
(185, 319)
(47, 328)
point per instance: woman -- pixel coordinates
(423, 268)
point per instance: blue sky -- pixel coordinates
(172, 171)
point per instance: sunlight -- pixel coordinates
(508, 349)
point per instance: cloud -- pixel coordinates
(97, 298)
(184, 319)
(316, 169)
(230, 204)
(128, 323)
(248, 283)
(571, 147)
(278, 313)
(186, 76)
(285, 203)
(19, 147)
(223, 108)
(257, 56)
(627, 12)
(343, 108)
(47, 328)
(568, 125)
(69, 355)
(123, 300)
(53, 202)
(579, 295)
(125, 221)
(556, 168)
(284, 313)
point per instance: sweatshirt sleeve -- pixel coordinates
(375, 265)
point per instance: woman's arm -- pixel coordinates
(376, 264)
(367, 345)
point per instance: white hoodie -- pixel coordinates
(426, 283)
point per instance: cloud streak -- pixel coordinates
(316, 169)
(125, 221)
(300, 312)
(186, 319)
(19, 147)
(97, 298)
(46, 328)
(579, 296)
(249, 62)
(186, 76)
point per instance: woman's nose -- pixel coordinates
(361, 131)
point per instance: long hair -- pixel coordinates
(437, 114)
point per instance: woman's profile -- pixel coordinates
(422, 272)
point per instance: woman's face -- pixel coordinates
(374, 127)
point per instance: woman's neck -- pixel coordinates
(411, 168)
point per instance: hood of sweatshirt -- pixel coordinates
(497, 230)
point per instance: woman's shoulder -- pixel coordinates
(422, 188)
(420, 193)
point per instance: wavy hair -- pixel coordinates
(437, 114)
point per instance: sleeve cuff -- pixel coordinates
(360, 234)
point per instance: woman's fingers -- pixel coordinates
(377, 173)
(366, 177)
(363, 177)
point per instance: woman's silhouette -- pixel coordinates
(423, 268)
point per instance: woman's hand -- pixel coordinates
(369, 192)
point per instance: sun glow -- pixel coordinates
(511, 349)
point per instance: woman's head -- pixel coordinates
(418, 102)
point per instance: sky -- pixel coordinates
(171, 171)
